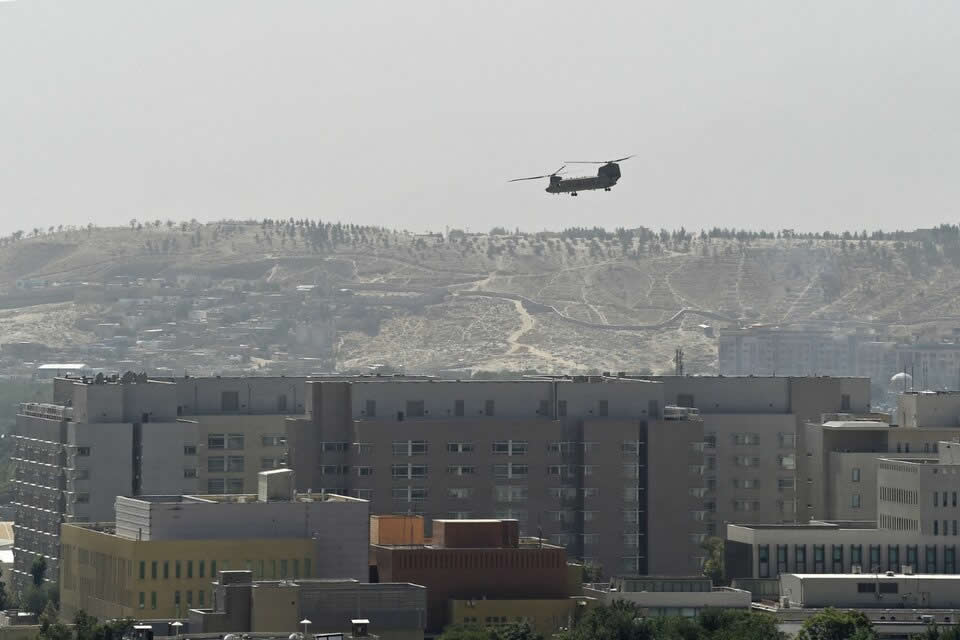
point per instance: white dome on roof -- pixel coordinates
(901, 381)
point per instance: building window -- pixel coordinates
(856, 555)
(273, 441)
(190, 472)
(855, 501)
(153, 599)
(819, 561)
(234, 485)
(763, 557)
(510, 447)
(463, 493)
(781, 558)
(845, 402)
(216, 464)
(408, 471)
(461, 469)
(415, 409)
(459, 447)
(335, 447)
(410, 447)
(936, 498)
(83, 451)
(837, 560)
(930, 565)
(364, 471)
(458, 408)
(488, 408)
(282, 403)
(216, 441)
(216, 486)
(603, 408)
(213, 568)
(153, 570)
(874, 557)
(785, 483)
(787, 440)
(855, 474)
(562, 408)
(936, 527)
(950, 559)
(189, 599)
(166, 569)
(176, 569)
(189, 449)
(143, 570)
(893, 557)
(510, 470)
(235, 463)
(371, 408)
(235, 441)
(229, 400)
(269, 463)
(141, 601)
(800, 558)
(685, 400)
(510, 493)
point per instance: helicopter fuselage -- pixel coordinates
(606, 177)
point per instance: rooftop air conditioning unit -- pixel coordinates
(890, 574)
(784, 602)
(856, 569)
(906, 569)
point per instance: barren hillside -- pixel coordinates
(566, 301)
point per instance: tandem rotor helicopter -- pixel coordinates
(607, 176)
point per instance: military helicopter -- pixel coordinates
(607, 176)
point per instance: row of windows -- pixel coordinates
(784, 440)
(500, 447)
(235, 441)
(898, 523)
(262, 569)
(798, 561)
(508, 493)
(898, 495)
(417, 409)
(943, 502)
(501, 471)
(201, 599)
(949, 528)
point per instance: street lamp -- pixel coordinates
(176, 624)
(306, 623)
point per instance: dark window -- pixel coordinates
(488, 407)
(893, 557)
(281, 403)
(856, 555)
(763, 557)
(782, 558)
(166, 569)
(912, 556)
(603, 408)
(950, 559)
(653, 409)
(889, 587)
(189, 450)
(415, 408)
(930, 564)
(845, 402)
(562, 408)
(685, 400)
(229, 400)
(544, 409)
(818, 558)
(837, 563)
(458, 408)
(800, 558)
(874, 557)
(143, 570)
(371, 408)
(866, 587)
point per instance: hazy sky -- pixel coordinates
(414, 114)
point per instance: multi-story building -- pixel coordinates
(842, 451)
(160, 556)
(573, 459)
(685, 596)
(753, 428)
(916, 526)
(771, 351)
(107, 437)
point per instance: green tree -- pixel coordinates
(50, 626)
(619, 621)
(713, 566)
(38, 570)
(726, 624)
(3, 594)
(837, 624)
(512, 631)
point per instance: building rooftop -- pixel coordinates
(860, 577)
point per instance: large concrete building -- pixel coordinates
(101, 438)
(590, 463)
(160, 556)
(916, 527)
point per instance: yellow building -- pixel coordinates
(110, 576)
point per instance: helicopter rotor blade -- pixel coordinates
(549, 175)
(599, 161)
(530, 178)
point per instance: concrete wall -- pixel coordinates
(713, 394)
(163, 462)
(925, 409)
(917, 591)
(203, 396)
(110, 465)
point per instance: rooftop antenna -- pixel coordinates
(678, 362)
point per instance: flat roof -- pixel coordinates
(874, 576)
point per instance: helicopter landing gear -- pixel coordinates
(573, 193)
